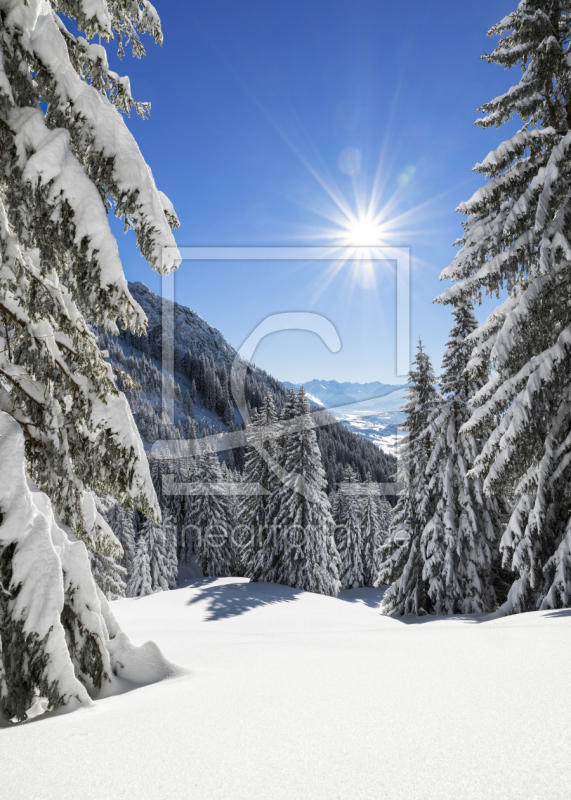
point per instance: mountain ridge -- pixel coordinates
(334, 393)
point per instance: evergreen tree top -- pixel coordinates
(302, 405)
(268, 411)
(517, 237)
(536, 37)
(509, 233)
(350, 476)
(422, 394)
(454, 379)
(290, 409)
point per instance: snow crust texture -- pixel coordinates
(295, 695)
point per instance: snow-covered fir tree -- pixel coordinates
(385, 512)
(155, 564)
(178, 506)
(459, 543)
(66, 156)
(109, 575)
(55, 625)
(121, 522)
(402, 564)
(140, 580)
(299, 550)
(258, 470)
(237, 537)
(241, 533)
(172, 505)
(214, 519)
(517, 238)
(187, 405)
(169, 533)
(385, 515)
(106, 567)
(374, 524)
(348, 536)
(334, 500)
(189, 531)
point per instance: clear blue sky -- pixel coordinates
(254, 107)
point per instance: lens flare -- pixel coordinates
(349, 161)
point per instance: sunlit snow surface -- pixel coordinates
(293, 695)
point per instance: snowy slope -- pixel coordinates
(292, 695)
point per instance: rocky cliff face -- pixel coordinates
(189, 327)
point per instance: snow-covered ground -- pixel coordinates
(294, 695)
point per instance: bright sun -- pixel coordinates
(364, 232)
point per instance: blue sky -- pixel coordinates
(258, 111)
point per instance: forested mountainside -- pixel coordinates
(203, 400)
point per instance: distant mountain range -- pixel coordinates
(369, 409)
(333, 393)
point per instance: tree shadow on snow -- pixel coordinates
(227, 600)
(474, 618)
(373, 598)
(562, 612)
(364, 595)
(428, 619)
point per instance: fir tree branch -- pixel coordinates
(552, 115)
(7, 335)
(39, 340)
(8, 128)
(18, 386)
